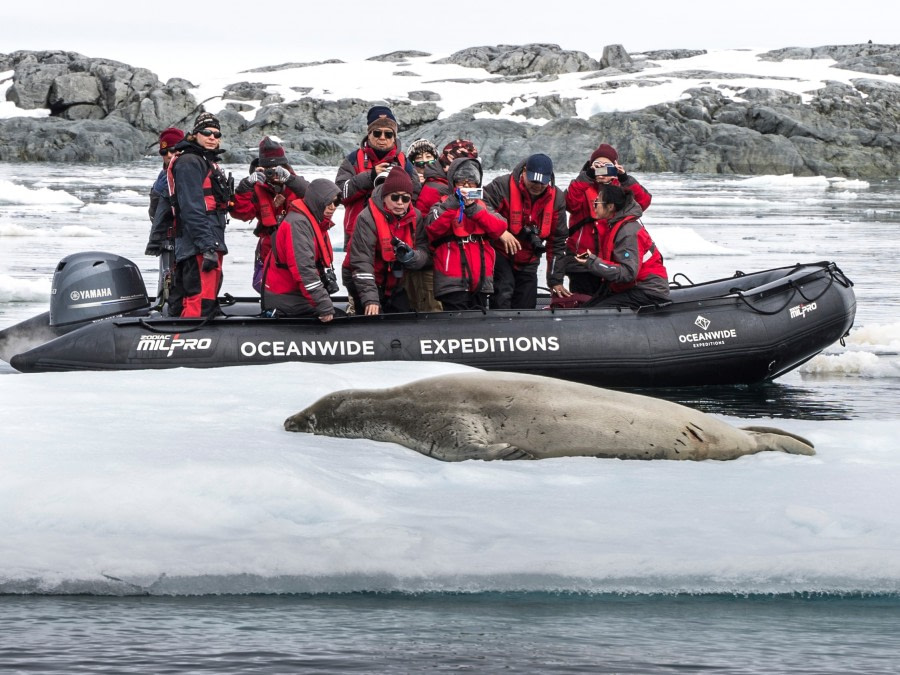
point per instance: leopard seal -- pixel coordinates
(497, 415)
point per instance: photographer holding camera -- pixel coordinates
(601, 169)
(265, 195)
(388, 240)
(298, 275)
(460, 228)
(377, 153)
(627, 263)
(535, 211)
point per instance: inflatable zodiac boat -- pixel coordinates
(741, 330)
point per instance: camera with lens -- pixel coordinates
(271, 173)
(530, 236)
(402, 251)
(329, 281)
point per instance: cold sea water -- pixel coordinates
(707, 227)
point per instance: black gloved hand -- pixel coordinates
(210, 260)
(473, 208)
(590, 173)
(402, 251)
(154, 248)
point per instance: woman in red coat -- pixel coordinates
(459, 229)
(601, 169)
(627, 264)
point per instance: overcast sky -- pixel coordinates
(178, 38)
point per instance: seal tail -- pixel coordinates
(779, 439)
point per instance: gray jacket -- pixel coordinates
(365, 255)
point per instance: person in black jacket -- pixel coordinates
(201, 199)
(162, 230)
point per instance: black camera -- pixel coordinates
(270, 172)
(329, 280)
(531, 237)
(402, 251)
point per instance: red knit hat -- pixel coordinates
(605, 150)
(169, 138)
(397, 181)
(456, 149)
(271, 153)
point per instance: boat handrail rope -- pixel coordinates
(796, 290)
(226, 301)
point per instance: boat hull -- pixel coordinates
(743, 330)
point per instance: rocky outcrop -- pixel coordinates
(290, 66)
(866, 58)
(672, 54)
(615, 56)
(128, 107)
(398, 57)
(547, 59)
(106, 111)
(56, 140)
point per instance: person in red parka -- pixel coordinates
(602, 168)
(460, 230)
(298, 276)
(389, 239)
(435, 185)
(536, 213)
(627, 263)
(420, 282)
(377, 153)
(265, 195)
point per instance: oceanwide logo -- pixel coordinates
(706, 338)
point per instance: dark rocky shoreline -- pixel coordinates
(107, 111)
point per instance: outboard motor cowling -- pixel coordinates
(95, 285)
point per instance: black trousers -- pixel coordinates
(584, 282)
(514, 288)
(460, 300)
(633, 298)
(397, 303)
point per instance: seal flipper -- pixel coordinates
(770, 438)
(488, 452)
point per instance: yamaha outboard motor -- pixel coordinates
(95, 285)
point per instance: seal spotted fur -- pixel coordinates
(496, 415)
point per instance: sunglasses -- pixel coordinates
(335, 203)
(423, 162)
(378, 133)
(396, 197)
(597, 202)
(210, 132)
(167, 151)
